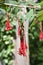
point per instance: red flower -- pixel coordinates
(8, 26)
(41, 35)
(23, 48)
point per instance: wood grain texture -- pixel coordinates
(19, 59)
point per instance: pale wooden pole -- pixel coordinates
(19, 59)
(26, 25)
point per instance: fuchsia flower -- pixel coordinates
(41, 35)
(8, 26)
(23, 48)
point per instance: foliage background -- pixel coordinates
(6, 38)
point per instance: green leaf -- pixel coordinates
(40, 15)
(11, 62)
(10, 2)
(6, 42)
(30, 15)
(2, 11)
(31, 2)
(6, 38)
(16, 10)
(41, 3)
(6, 60)
(3, 20)
(13, 23)
(40, 18)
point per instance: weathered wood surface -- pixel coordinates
(19, 59)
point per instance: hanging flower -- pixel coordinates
(41, 35)
(23, 48)
(8, 26)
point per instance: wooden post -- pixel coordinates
(26, 24)
(19, 59)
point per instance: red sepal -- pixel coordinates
(41, 35)
(23, 48)
(8, 26)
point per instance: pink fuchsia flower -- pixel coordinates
(41, 35)
(8, 26)
(23, 48)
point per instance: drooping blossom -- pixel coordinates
(41, 35)
(8, 26)
(23, 48)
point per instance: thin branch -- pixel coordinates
(20, 6)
